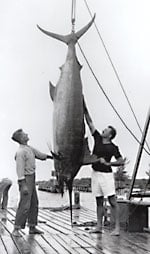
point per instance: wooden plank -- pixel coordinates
(60, 238)
(110, 245)
(68, 240)
(62, 223)
(61, 220)
(67, 244)
(8, 242)
(54, 216)
(56, 245)
(2, 247)
(139, 241)
(36, 242)
(83, 215)
(44, 226)
(125, 243)
(92, 245)
(51, 229)
(39, 245)
(76, 219)
(25, 244)
(17, 243)
(55, 225)
(57, 215)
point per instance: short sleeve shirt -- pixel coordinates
(106, 151)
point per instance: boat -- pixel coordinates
(49, 186)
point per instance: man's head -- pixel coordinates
(20, 137)
(109, 132)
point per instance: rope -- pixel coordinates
(117, 75)
(113, 107)
(73, 14)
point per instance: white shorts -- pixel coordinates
(103, 184)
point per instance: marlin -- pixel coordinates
(68, 115)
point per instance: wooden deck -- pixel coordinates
(60, 237)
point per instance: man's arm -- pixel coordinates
(88, 118)
(119, 162)
(42, 156)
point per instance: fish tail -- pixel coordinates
(67, 38)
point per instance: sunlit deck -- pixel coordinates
(60, 237)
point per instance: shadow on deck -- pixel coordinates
(60, 237)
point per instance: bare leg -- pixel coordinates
(5, 197)
(115, 211)
(16, 232)
(100, 213)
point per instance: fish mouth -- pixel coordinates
(57, 156)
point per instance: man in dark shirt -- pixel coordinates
(103, 184)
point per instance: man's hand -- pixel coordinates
(25, 190)
(103, 161)
(23, 187)
(57, 156)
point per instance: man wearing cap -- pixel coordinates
(25, 167)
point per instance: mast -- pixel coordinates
(139, 154)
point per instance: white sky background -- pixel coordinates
(29, 59)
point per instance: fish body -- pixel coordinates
(68, 117)
(68, 113)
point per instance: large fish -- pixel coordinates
(68, 115)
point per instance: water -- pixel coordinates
(47, 199)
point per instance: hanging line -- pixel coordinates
(73, 14)
(109, 99)
(117, 75)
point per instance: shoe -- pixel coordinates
(35, 231)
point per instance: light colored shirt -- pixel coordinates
(25, 160)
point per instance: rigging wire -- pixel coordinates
(109, 99)
(73, 14)
(117, 75)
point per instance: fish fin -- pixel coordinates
(88, 158)
(51, 90)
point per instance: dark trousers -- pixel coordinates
(28, 204)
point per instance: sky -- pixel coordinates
(30, 59)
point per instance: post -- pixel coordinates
(139, 154)
(77, 198)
